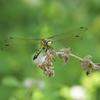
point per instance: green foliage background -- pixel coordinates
(44, 18)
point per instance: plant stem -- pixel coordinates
(80, 59)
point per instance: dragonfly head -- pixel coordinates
(49, 42)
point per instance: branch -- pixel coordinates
(64, 54)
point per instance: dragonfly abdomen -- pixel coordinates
(37, 54)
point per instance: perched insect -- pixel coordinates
(30, 44)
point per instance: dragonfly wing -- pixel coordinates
(20, 48)
(21, 44)
(68, 38)
(15, 40)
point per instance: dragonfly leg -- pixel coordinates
(46, 50)
(51, 48)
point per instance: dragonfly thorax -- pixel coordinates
(46, 43)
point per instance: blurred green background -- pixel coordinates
(20, 78)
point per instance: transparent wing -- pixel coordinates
(15, 40)
(21, 45)
(68, 38)
(20, 48)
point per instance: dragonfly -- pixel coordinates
(31, 44)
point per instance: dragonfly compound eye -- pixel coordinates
(49, 43)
